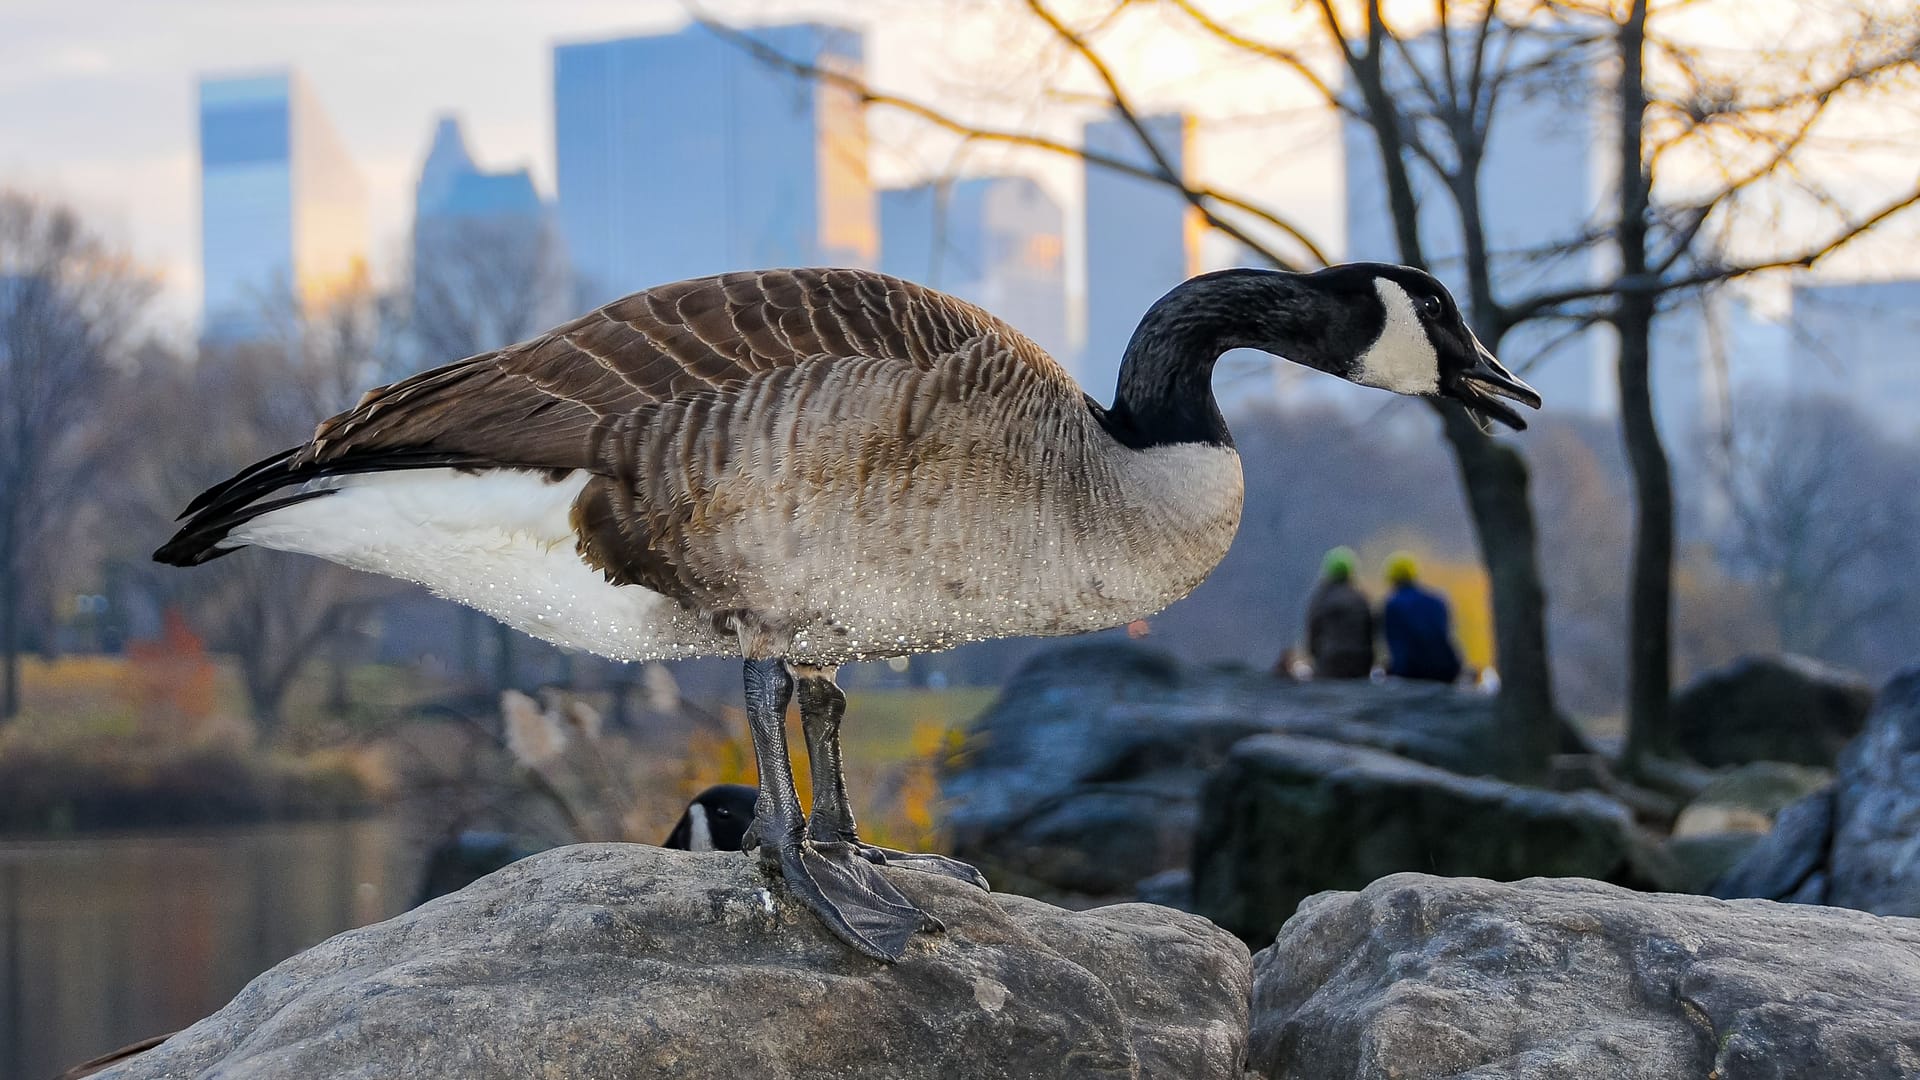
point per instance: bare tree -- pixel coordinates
(67, 304)
(1757, 120)
(1821, 519)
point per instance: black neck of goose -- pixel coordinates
(1165, 393)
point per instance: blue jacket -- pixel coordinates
(1419, 636)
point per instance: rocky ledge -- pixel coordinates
(617, 960)
(1423, 978)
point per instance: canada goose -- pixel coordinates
(810, 467)
(716, 820)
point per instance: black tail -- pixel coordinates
(231, 503)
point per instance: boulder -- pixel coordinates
(1875, 859)
(1287, 817)
(618, 960)
(1857, 843)
(1084, 777)
(1770, 708)
(1422, 978)
(1789, 863)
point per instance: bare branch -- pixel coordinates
(1211, 200)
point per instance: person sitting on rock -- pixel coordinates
(1417, 626)
(1339, 622)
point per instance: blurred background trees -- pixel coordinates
(68, 305)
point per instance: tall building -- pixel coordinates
(1542, 183)
(486, 265)
(282, 208)
(1142, 239)
(452, 186)
(998, 241)
(682, 154)
(1856, 340)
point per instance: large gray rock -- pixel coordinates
(1770, 708)
(1875, 864)
(1422, 978)
(1287, 817)
(1084, 777)
(1856, 844)
(614, 960)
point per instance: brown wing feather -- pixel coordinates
(550, 403)
(536, 404)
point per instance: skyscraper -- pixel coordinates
(682, 154)
(1540, 185)
(1142, 239)
(486, 265)
(282, 208)
(1855, 340)
(998, 241)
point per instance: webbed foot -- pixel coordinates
(925, 862)
(848, 893)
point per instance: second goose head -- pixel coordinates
(1376, 324)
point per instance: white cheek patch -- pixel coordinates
(700, 837)
(1402, 359)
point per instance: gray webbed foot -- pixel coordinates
(850, 895)
(925, 862)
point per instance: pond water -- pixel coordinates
(106, 939)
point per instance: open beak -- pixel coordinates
(1481, 386)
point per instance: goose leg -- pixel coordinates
(847, 892)
(822, 705)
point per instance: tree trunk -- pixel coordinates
(339, 674)
(266, 699)
(503, 660)
(1649, 619)
(9, 639)
(1493, 473)
(1495, 477)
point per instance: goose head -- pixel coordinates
(1379, 325)
(1402, 331)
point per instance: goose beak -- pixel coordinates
(1481, 386)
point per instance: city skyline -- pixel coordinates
(890, 64)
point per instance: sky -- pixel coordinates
(97, 98)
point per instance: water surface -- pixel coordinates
(105, 939)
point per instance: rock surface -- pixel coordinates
(1770, 708)
(1287, 817)
(1422, 978)
(1856, 844)
(1084, 778)
(614, 960)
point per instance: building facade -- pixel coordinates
(487, 265)
(1142, 238)
(282, 208)
(997, 241)
(1860, 341)
(683, 154)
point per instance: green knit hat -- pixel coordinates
(1338, 565)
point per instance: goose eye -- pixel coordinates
(721, 811)
(1430, 306)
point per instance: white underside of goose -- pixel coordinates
(500, 541)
